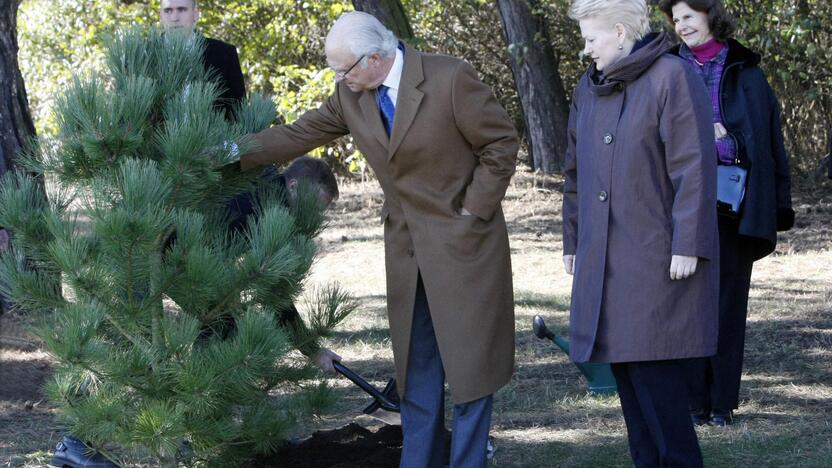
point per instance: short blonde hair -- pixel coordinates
(632, 14)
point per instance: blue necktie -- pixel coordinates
(387, 108)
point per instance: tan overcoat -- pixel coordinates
(452, 146)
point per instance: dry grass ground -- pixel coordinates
(544, 417)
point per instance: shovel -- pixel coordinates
(386, 400)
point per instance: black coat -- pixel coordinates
(245, 204)
(240, 208)
(223, 59)
(751, 114)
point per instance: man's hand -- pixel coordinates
(682, 267)
(569, 264)
(324, 359)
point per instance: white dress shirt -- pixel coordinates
(394, 76)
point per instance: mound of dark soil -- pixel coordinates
(350, 446)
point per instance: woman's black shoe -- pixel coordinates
(722, 418)
(699, 418)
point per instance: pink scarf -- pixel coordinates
(707, 51)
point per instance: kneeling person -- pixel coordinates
(304, 170)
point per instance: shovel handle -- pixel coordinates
(366, 386)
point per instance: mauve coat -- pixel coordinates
(452, 145)
(640, 185)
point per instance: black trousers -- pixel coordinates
(714, 382)
(653, 398)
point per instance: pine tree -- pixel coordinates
(150, 270)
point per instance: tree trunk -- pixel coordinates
(16, 126)
(534, 65)
(391, 13)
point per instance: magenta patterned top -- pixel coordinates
(711, 72)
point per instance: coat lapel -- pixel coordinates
(408, 100)
(373, 116)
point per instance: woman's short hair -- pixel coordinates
(722, 24)
(364, 34)
(632, 14)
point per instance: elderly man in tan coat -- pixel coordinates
(443, 151)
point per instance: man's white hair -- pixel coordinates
(363, 35)
(632, 14)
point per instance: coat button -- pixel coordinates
(410, 253)
(602, 196)
(608, 138)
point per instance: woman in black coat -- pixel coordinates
(747, 132)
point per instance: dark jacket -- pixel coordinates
(751, 115)
(244, 204)
(223, 59)
(640, 187)
(239, 209)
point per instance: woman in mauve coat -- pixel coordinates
(746, 128)
(640, 232)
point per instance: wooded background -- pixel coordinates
(527, 50)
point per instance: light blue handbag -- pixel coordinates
(730, 189)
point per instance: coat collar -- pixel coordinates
(407, 103)
(617, 75)
(737, 53)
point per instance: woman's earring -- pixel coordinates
(620, 46)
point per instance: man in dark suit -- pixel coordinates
(304, 170)
(220, 56)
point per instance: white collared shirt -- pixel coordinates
(394, 76)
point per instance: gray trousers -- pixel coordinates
(423, 405)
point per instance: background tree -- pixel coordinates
(16, 126)
(534, 65)
(148, 359)
(280, 43)
(391, 13)
(794, 38)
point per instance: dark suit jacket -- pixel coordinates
(239, 209)
(223, 59)
(243, 205)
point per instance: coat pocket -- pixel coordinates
(462, 236)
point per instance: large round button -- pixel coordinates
(602, 196)
(607, 138)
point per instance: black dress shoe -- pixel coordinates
(722, 418)
(72, 453)
(699, 418)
